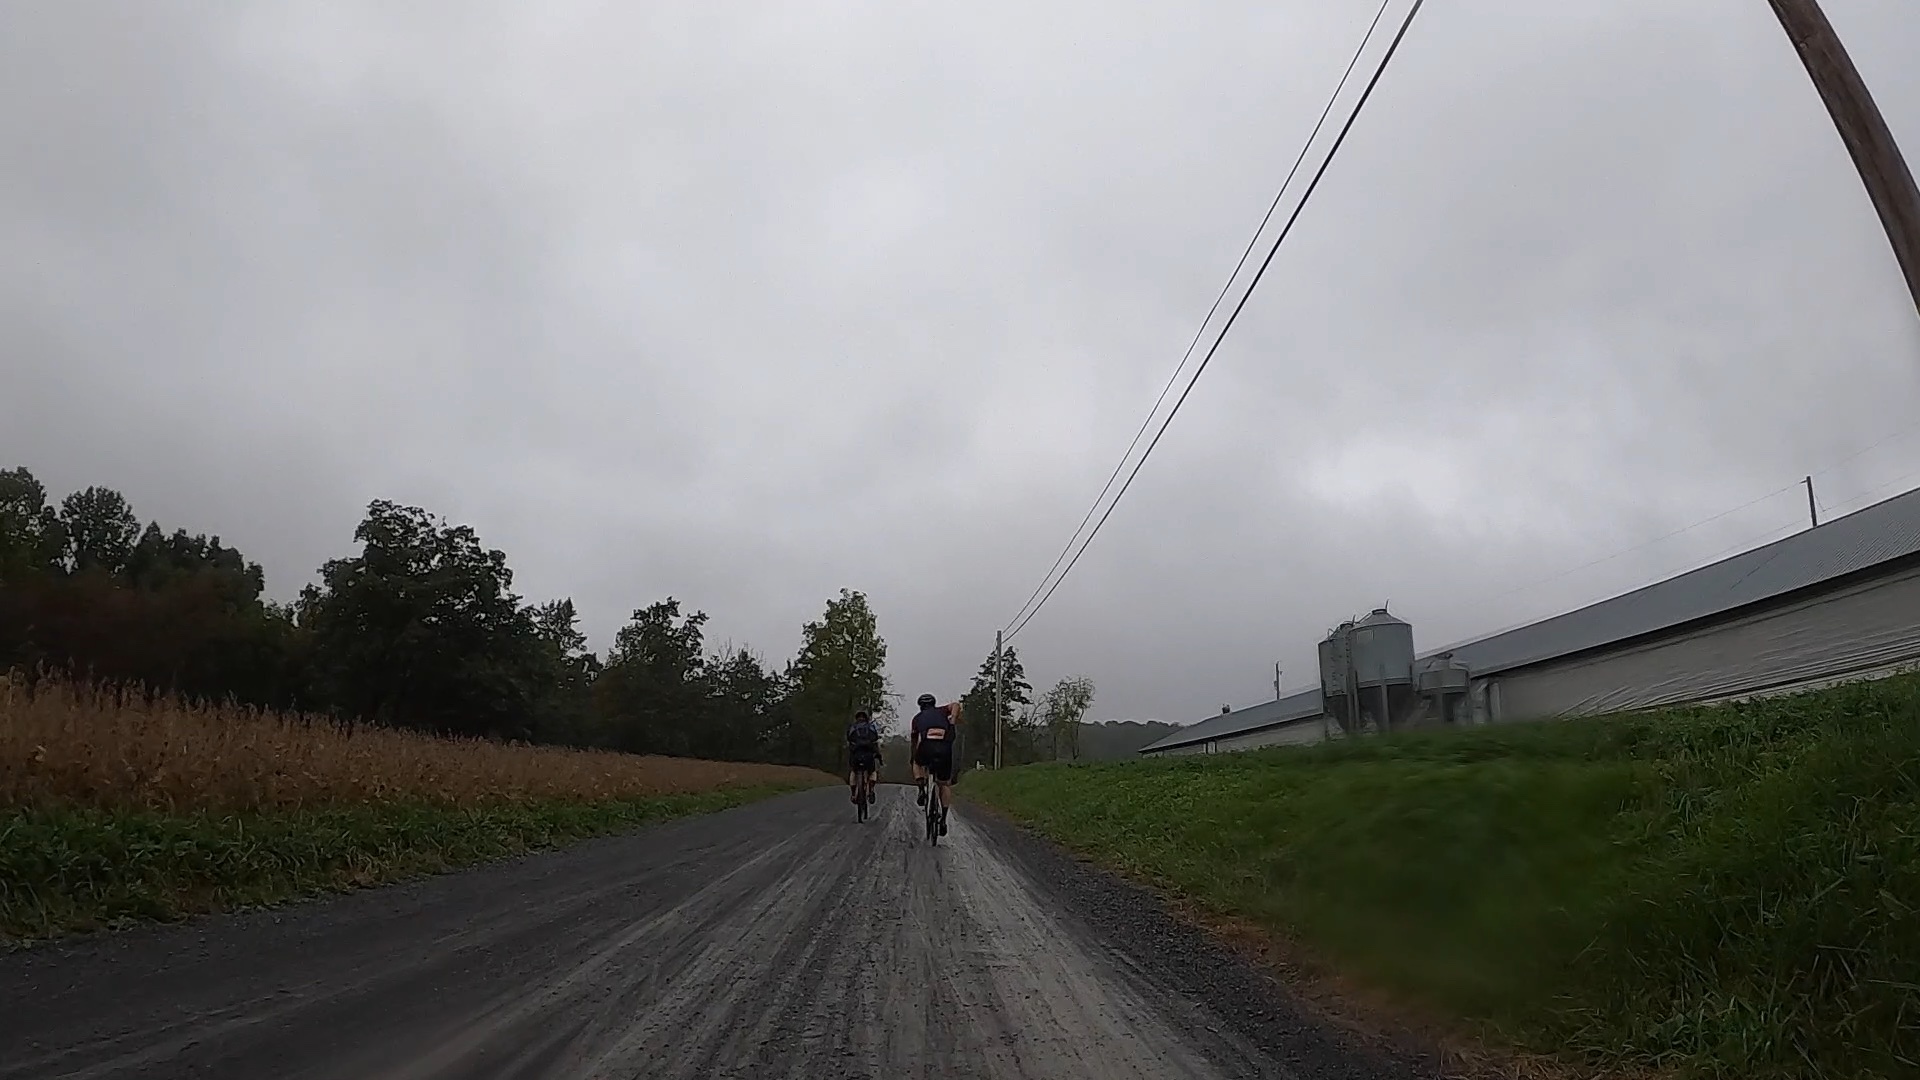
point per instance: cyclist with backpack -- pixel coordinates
(863, 756)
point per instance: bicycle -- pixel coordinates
(934, 811)
(865, 792)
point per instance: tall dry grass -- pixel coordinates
(74, 745)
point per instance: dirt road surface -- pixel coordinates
(776, 940)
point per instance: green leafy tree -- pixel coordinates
(746, 708)
(1061, 711)
(977, 706)
(1025, 738)
(652, 694)
(422, 629)
(558, 624)
(180, 614)
(159, 562)
(563, 705)
(99, 529)
(841, 667)
(31, 540)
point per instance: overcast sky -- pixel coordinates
(744, 303)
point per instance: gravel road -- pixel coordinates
(776, 940)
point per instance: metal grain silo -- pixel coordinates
(1382, 650)
(1443, 684)
(1383, 669)
(1336, 677)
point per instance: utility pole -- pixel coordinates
(1276, 682)
(998, 678)
(1875, 153)
(1813, 508)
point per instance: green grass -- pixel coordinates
(1727, 892)
(65, 869)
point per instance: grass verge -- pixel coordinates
(67, 868)
(1718, 892)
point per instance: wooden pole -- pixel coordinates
(999, 678)
(1875, 153)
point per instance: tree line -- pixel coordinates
(1047, 729)
(421, 628)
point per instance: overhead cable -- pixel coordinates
(1903, 432)
(1202, 329)
(1234, 316)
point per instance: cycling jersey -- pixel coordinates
(934, 724)
(863, 744)
(934, 732)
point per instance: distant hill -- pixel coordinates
(1114, 740)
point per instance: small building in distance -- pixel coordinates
(1834, 602)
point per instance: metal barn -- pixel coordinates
(1834, 602)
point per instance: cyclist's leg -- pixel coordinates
(943, 776)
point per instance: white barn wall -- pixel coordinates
(1870, 627)
(1190, 748)
(1294, 733)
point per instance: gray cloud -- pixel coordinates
(746, 302)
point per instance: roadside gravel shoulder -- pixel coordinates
(1256, 999)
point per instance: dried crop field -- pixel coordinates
(64, 744)
(114, 808)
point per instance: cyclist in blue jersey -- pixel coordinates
(863, 755)
(934, 730)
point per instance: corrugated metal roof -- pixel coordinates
(1266, 714)
(1880, 533)
(1866, 538)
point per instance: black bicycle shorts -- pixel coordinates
(864, 762)
(936, 756)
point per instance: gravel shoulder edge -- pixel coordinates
(1265, 988)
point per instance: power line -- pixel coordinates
(1202, 328)
(1285, 230)
(1871, 495)
(1778, 532)
(1837, 511)
(1774, 494)
(1900, 434)
(1234, 316)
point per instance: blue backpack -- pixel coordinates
(863, 735)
